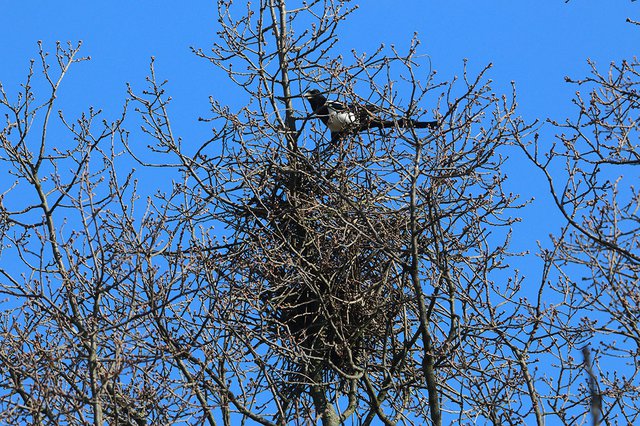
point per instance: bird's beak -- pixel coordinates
(306, 94)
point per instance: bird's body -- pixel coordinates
(342, 119)
(339, 117)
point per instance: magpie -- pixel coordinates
(344, 119)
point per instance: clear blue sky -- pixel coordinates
(534, 43)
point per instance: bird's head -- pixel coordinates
(311, 94)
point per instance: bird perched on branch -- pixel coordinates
(344, 119)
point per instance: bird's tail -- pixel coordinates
(404, 122)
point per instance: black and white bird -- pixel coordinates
(344, 119)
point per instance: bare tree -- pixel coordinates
(592, 270)
(274, 276)
(351, 269)
(71, 329)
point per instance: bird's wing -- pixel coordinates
(366, 112)
(366, 108)
(337, 106)
(372, 108)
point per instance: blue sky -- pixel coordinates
(534, 43)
